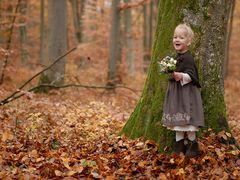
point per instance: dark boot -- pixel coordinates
(179, 147)
(192, 149)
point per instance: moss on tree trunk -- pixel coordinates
(145, 121)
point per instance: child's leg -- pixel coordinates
(179, 135)
(192, 148)
(191, 135)
(179, 146)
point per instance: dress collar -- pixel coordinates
(180, 54)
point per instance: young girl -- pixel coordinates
(183, 111)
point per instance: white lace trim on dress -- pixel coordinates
(173, 118)
(183, 128)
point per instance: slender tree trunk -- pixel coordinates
(23, 31)
(228, 34)
(77, 18)
(57, 42)
(208, 21)
(82, 4)
(150, 24)
(147, 33)
(75, 14)
(114, 43)
(9, 40)
(78, 12)
(42, 32)
(129, 40)
(145, 39)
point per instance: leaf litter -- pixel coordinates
(52, 138)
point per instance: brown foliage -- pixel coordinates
(59, 137)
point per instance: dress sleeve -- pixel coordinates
(186, 79)
(191, 69)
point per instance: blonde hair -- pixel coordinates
(188, 29)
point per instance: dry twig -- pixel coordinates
(16, 94)
(8, 99)
(19, 92)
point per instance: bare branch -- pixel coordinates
(29, 80)
(133, 5)
(15, 96)
(55, 61)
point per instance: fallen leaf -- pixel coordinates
(65, 162)
(228, 134)
(172, 161)
(180, 172)
(58, 173)
(71, 173)
(7, 135)
(162, 176)
(142, 163)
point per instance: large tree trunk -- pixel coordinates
(57, 41)
(212, 52)
(208, 19)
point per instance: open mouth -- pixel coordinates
(177, 45)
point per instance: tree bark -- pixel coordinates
(57, 42)
(114, 42)
(23, 31)
(212, 52)
(228, 34)
(42, 33)
(208, 22)
(147, 33)
(9, 40)
(129, 40)
(77, 18)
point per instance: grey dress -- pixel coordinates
(183, 104)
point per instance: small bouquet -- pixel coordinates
(167, 65)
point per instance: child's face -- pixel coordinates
(181, 40)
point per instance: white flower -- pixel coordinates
(172, 60)
(167, 65)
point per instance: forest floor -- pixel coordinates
(67, 134)
(73, 134)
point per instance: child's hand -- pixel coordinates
(177, 76)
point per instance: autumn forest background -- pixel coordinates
(72, 132)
